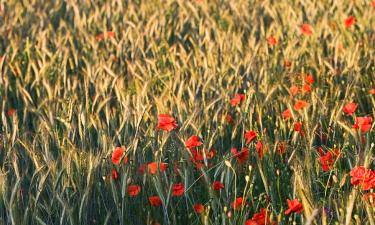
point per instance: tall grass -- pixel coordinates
(79, 92)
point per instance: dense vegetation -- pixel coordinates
(187, 112)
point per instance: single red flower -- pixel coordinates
(326, 161)
(271, 40)
(368, 181)
(260, 218)
(297, 126)
(350, 21)
(238, 203)
(250, 222)
(178, 189)
(306, 29)
(350, 108)
(166, 123)
(294, 206)
(287, 114)
(238, 98)
(133, 190)
(363, 177)
(300, 104)
(114, 174)
(357, 174)
(153, 167)
(155, 200)
(198, 156)
(293, 90)
(287, 63)
(193, 142)
(373, 3)
(250, 136)
(372, 91)
(306, 88)
(309, 79)
(198, 208)
(241, 156)
(217, 185)
(11, 112)
(363, 123)
(117, 154)
(259, 149)
(102, 36)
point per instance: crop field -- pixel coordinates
(187, 112)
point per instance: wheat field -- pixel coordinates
(180, 112)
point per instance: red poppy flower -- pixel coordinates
(250, 136)
(350, 21)
(294, 206)
(193, 142)
(238, 203)
(153, 167)
(11, 112)
(300, 104)
(166, 123)
(297, 126)
(238, 98)
(368, 181)
(373, 3)
(309, 79)
(241, 156)
(326, 161)
(198, 208)
(217, 185)
(271, 40)
(363, 123)
(372, 91)
(294, 90)
(178, 189)
(102, 36)
(117, 154)
(260, 218)
(306, 29)
(133, 190)
(250, 222)
(287, 64)
(350, 108)
(362, 176)
(114, 174)
(198, 156)
(229, 119)
(287, 114)
(155, 200)
(357, 174)
(259, 149)
(306, 88)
